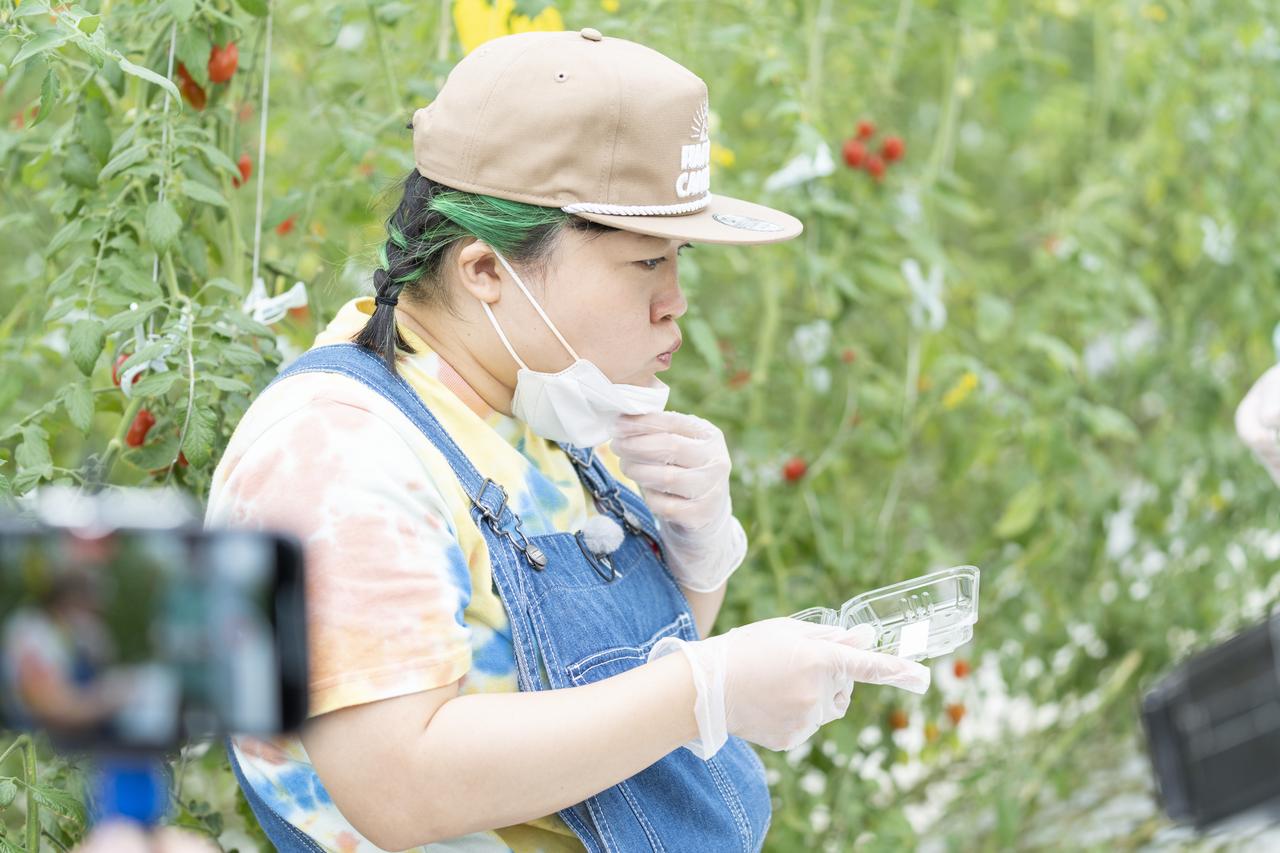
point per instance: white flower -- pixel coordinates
(809, 343)
(1219, 240)
(802, 168)
(813, 783)
(927, 308)
(350, 37)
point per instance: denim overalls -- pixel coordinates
(577, 618)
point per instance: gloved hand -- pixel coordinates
(1258, 421)
(775, 682)
(681, 464)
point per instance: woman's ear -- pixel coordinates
(476, 267)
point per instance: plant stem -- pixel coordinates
(382, 56)
(33, 805)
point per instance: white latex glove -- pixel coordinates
(681, 464)
(1258, 421)
(775, 682)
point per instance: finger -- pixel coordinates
(665, 421)
(888, 670)
(859, 637)
(671, 479)
(662, 448)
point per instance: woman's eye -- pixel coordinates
(652, 263)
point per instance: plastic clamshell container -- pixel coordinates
(918, 619)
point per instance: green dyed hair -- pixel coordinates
(431, 218)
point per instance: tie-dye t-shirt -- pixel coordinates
(398, 576)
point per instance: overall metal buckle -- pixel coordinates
(532, 552)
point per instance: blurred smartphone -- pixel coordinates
(142, 638)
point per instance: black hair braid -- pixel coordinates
(404, 262)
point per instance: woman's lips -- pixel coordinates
(665, 357)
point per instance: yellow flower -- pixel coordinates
(546, 21)
(960, 391)
(1155, 12)
(478, 21)
(609, 6)
(721, 156)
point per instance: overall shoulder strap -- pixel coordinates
(355, 361)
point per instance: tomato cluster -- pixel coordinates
(858, 153)
(223, 62)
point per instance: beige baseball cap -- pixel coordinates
(604, 128)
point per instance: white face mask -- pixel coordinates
(579, 404)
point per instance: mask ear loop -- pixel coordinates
(506, 343)
(536, 307)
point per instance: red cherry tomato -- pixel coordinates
(893, 148)
(246, 169)
(794, 469)
(115, 370)
(866, 129)
(854, 153)
(142, 424)
(223, 61)
(875, 167)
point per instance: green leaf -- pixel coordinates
(148, 352)
(49, 91)
(33, 453)
(89, 24)
(155, 384)
(78, 400)
(257, 8)
(94, 132)
(85, 342)
(224, 284)
(198, 443)
(217, 158)
(227, 383)
(154, 454)
(182, 10)
(1022, 511)
(126, 320)
(1058, 351)
(239, 355)
(149, 75)
(163, 224)
(42, 43)
(66, 234)
(59, 802)
(125, 159)
(1108, 423)
(79, 168)
(193, 50)
(200, 192)
(8, 792)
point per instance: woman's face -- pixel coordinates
(614, 296)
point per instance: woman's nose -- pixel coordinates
(671, 305)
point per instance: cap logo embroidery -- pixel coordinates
(695, 159)
(746, 223)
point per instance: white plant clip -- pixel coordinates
(271, 309)
(927, 308)
(172, 339)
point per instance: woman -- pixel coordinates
(492, 605)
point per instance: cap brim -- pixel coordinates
(723, 220)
